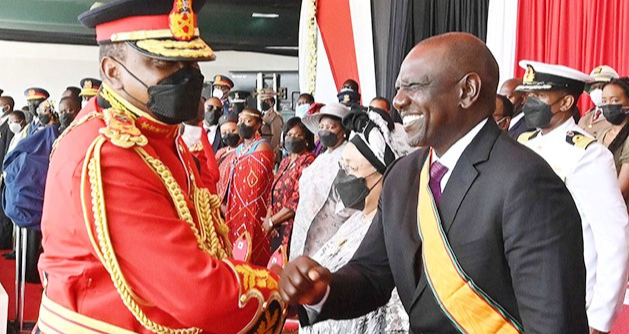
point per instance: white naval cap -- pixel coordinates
(542, 77)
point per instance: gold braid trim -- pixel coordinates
(73, 125)
(178, 49)
(207, 207)
(207, 238)
(104, 247)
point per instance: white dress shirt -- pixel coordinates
(515, 120)
(452, 155)
(211, 132)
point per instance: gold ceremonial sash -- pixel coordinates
(469, 309)
(56, 319)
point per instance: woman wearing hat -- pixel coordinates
(372, 148)
(615, 107)
(319, 214)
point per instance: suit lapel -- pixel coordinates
(461, 179)
(465, 173)
(411, 241)
(459, 183)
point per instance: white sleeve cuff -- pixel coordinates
(314, 310)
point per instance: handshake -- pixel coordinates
(303, 281)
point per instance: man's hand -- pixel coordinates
(304, 281)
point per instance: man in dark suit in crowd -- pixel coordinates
(518, 125)
(213, 110)
(6, 107)
(513, 268)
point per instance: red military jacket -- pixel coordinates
(165, 272)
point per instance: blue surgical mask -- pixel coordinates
(302, 110)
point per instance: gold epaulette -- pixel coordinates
(196, 147)
(75, 124)
(526, 136)
(579, 140)
(120, 129)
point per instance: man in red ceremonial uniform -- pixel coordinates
(132, 242)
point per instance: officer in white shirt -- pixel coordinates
(588, 171)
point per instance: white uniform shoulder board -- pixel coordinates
(578, 139)
(526, 136)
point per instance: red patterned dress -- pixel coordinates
(225, 159)
(248, 190)
(285, 193)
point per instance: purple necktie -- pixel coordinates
(437, 171)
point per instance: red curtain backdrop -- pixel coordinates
(581, 34)
(335, 24)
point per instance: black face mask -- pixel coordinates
(328, 139)
(231, 139)
(246, 131)
(211, 117)
(614, 113)
(65, 119)
(32, 108)
(44, 118)
(537, 113)
(294, 145)
(352, 190)
(175, 99)
(265, 106)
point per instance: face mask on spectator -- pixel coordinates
(328, 138)
(15, 127)
(597, 96)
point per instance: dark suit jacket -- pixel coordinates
(217, 143)
(519, 128)
(5, 139)
(510, 221)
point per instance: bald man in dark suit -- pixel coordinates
(522, 263)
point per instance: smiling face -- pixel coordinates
(446, 86)
(426, 96)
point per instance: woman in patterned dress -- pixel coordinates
(299, 142)
(249, 185)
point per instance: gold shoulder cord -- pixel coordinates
(73, 125)
(206, 206)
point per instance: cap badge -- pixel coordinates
(182, 20)
(87, 84)
(529, 76)
(31, 92)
